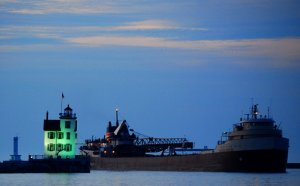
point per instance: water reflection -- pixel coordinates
(150, 178)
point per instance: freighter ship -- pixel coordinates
(255, 144)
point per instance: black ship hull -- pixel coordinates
(238, 161)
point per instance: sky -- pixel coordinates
(174, 68)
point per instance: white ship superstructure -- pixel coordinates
(256, 132)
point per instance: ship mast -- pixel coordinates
(117, 117)
(254, 111)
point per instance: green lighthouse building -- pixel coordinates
(60, 135)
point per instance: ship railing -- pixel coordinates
(42, 157)
(81, 157)
(221, 142)
(67, 115)
(37, 157)
(91, 141)
(160, 141)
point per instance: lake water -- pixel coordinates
(153, 178)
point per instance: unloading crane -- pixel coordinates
(161, 144)
(119, 142)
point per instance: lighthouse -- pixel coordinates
(60, 135)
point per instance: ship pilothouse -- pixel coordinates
(255, 126)
(252, 133)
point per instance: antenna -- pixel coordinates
(61, 101)
(251, 108)
(242, 115)
(252, 101)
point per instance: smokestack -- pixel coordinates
(15, 145)
(15, 156)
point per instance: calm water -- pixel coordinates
(144, 178)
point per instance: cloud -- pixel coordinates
(65, 7)
(272, 50)
(281, 52)
(31, 47)
(261, 45)
(154, 25)
(12, 31)
(277, 51)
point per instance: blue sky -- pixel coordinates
(174, 68)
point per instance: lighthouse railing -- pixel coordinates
(67, 115)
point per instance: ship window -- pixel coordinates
(51, 147)
(51, 135)
(60, 135)
(68, 135)
(67, 124)
(75, 135)
(68, 147)
(59, 147)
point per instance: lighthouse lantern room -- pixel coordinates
(60, 135)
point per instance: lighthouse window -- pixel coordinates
(60, 135)
(51, 135)
(68, 124)
(59, 147)
(68, 147)
(68, 135)
(51, 147)
(75, 126)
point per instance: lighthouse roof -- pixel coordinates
(51, 125)
(68, 113)
(68, 108)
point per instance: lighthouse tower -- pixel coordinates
(60, 135)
